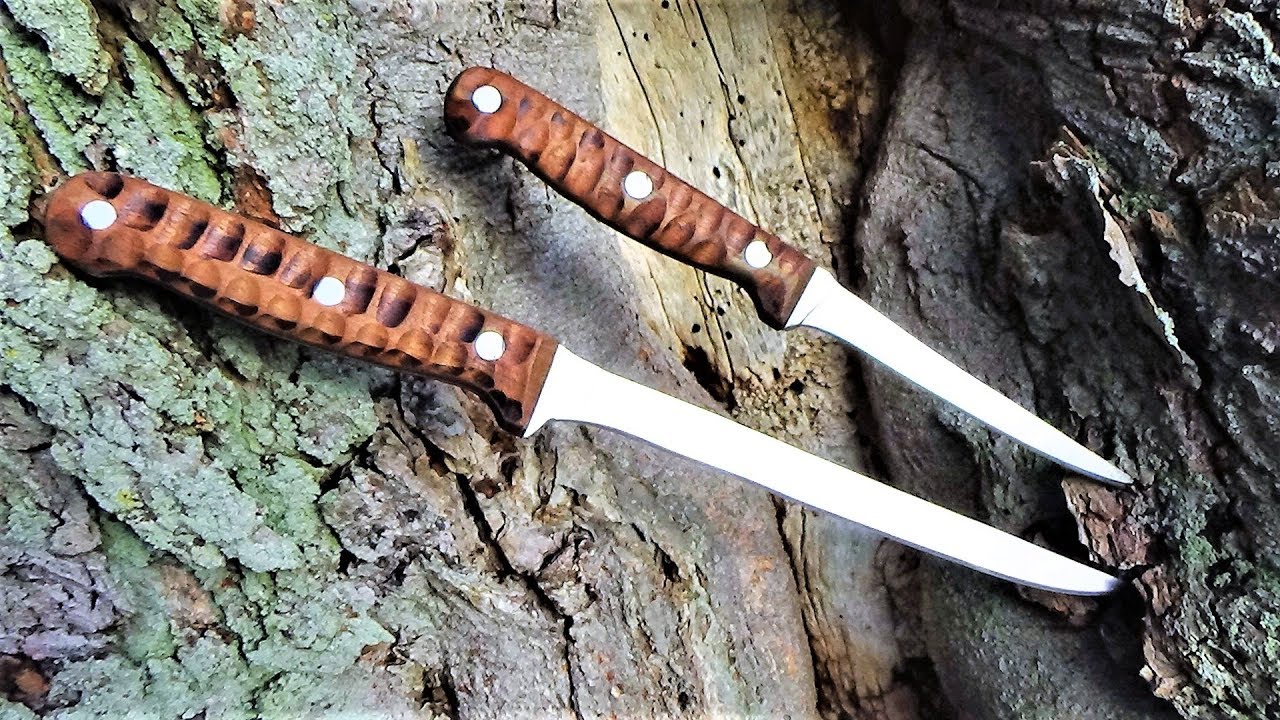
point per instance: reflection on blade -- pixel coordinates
(576, 390)
(827, 306)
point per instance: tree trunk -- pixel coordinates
(1075, 201)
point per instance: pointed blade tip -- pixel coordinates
(1093, 583)
(1121, 480)
(1105, 585)
(1109, 473)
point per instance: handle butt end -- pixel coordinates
(85, 199)
(483, 106)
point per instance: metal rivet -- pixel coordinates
(329, 291)
(487, 99)
(98, 214)
(757, 254)
(637, 185)
(490, 345)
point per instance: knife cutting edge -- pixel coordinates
(639, 198)
(109, 224)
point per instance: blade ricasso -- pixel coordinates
(816, 291)
(552, 400)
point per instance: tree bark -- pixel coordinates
(1074, 201)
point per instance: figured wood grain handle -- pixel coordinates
(109, 224)
(625, 190)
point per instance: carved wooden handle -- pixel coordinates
(109, 224)
(625, 190)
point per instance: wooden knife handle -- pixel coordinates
(291, 288)
(626, 190)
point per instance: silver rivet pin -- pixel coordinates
(757, 254)
(487, 99)
(637, 185)
(329, 291)
(490, 345)
(98, 214)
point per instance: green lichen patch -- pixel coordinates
(357, 693)
(151, 132)
(155, 135)
(30, 512)
(1131, 204)
(208, 676)
(14, 711)
(61, 113)
(218, 641)
(129, 405)
(315, 625)
(148, 634)
(299, 102)
(69, 29)
(171, 445)
(16, 171)
(172, 37)
(23, 522)
(203, 445)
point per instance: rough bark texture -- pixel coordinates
(1076, 200)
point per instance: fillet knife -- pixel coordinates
(109, 224)
(639, 198)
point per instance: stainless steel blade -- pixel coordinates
(577, 390)
(827, 306)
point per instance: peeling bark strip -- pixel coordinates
(197, 520)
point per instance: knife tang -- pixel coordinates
(626, 190)
(110, 224)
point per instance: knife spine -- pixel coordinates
(290, 288)
(596, 171)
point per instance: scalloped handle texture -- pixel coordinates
(109, 224)
(625, 190)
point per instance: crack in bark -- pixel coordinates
(794, 560)
(505, 569)
(443, 695)
(119, 27)
(41, 156)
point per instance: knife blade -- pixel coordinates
(112, 225)
(639, 198)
